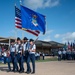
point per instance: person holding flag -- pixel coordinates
(19, 49)
(32, 50)
(25, 49)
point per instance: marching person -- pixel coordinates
(20, 51)
(25, 49)
(32, 50)
(13, 56)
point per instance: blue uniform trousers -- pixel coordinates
(12, 58)
(32, 58)
(9, 61)
(14, 61)
(20, 61)
(26, 58)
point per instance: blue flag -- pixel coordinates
(32, 20)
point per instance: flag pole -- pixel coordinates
(20, 2)
(15, 29)
(22, 34)
(22, 31)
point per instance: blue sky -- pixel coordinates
(60, 19)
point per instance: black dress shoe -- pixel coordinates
(8, 70)
(28, 72)
(32, 72)
(21, 71)
(13, 70)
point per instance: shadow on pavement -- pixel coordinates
(4, 68)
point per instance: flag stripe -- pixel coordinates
(18, 27)
(32, 32)
(18, 19)
(18, 23)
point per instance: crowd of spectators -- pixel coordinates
(3, 53)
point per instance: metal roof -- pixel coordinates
(38, 43)
(48, 44)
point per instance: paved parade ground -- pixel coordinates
(46, 68)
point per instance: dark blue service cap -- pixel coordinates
(25, 38)
(18, 39)
(31, 40)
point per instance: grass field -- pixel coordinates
(47, 59)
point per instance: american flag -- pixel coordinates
(18, 23)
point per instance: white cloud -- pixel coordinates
(49, 31)
(51, 3)
(57, 36)
(70, 36)
(47, 39)
(35, 4)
